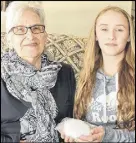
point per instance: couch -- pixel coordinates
(60, 47)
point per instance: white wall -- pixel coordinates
(3, 19)
(74, 17)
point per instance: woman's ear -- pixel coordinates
(45, 37)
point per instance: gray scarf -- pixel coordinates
(25, 82)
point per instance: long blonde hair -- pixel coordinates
(93, 61)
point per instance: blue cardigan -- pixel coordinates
(12, 109)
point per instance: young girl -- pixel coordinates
(106, 88)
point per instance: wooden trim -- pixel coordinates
(3, 4)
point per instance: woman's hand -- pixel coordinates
(66, 138)
(63, 136)
(23, 141)
(96, 135)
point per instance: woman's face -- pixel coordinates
(29, 45)
(112, 33)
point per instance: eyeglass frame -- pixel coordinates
(29, 27)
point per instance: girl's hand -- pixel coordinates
(96, 135)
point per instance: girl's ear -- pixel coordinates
(128, 40)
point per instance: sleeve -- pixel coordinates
(73, 89)
(118, 135)
(5, 138)
(10, 131)
(11, 111)
(10, 137)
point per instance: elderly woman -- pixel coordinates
(36, 93)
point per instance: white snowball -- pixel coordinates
(75, 128)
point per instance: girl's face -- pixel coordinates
(112, 33)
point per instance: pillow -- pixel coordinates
(60, 47)
(74, 128)
(67, 49)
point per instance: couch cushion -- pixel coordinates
(63, 48)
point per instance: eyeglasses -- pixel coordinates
(21, 30)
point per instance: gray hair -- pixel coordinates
(16, 8)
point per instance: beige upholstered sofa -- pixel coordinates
(63, 48)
